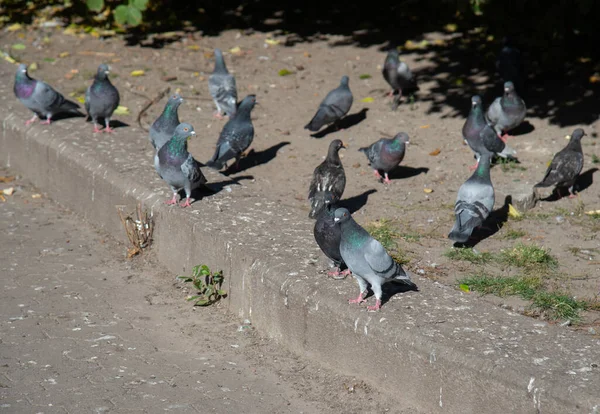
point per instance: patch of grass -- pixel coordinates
(409, 237)
(514, 234)
(469, 255)
(528, 256)
(384, 232)
(507, 164)
(595, 159)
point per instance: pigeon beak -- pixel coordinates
(344, 145)
(336, 219)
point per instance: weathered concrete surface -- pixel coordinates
(440, 349)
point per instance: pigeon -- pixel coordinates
(163, 128)
(177, 167)
(236, 136)
(474, 202)
(367, 259)
(566, 165)
(386, 154)
(506, 112)
(398, 75)
(510, 65)
(336, 104)
(221, 85)
(481, 137)
(40, 97)
(101, 99)
(328, 176)
(328, 234)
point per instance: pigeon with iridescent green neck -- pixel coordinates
(506, 112)
(101, 99)
(163, 128)
(367, 259)
(176, 165)
(386, 154)
(40, 98)
(222, 88)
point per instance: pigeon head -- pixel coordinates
(22, 71)
(220, 62)
(337, 144)
(402, 137)
(329, 198)
(247, 104)
(175, 100)
(393, 54)
(184, 130)
(341, 215)
(103, 72)
(476, 101)
(509, 87)
(577, 134)
(345, 80)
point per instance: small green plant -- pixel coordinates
(469, 255)
(383, 231)
(514, 234)
(508, 164)
(208, 285)
(127, 14)
(528, 256)
(595, 159)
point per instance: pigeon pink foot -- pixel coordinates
(359, 299)
(172, 201)
(186, 204)
(32, 120)
(108, 130)
(387, 180)
(47, 121)
(377, 175)
(346, 272)
(97, 128)
(376, 307)
(218, 115)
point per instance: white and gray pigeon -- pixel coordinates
(386, 154)
(236, 136)
(510, 65)
(328, 236)
(101, 99)
(40, 98)
(506, 112)
(566, 165)
(177, 167)
(336, 104)
(480, 136)
(367, 259)
(163, 128)
(474, 202)
(398, 75)
(329, 176)
(222, 88)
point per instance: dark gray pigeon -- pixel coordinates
(367, 259)
(101, 99)
(336, 104)
(221, 85)
(507, 111)
(480, 136)
(40, 97)
(328, 176)
(474, 202)
(398, 75)
(566, 165)
(386, 154)
(163, 128)
(236, 136)
(328, 235)
(176, 165)
(510, 65)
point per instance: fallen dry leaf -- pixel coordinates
(63, 54)
(121, 110)
(435, 152)
(368, 99)
(272, 42)
(428, 190)
(513, 212)
(7, 179)
(424, 126)
(594, 79)
(138, 72)
(236, 50)
(8, 191)
(168, 78)
(357, 165)
(36, 195)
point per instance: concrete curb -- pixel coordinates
(438, 350)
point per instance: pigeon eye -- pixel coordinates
(185, 129)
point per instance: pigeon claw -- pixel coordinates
(32, 120)
(359, 299)
(387, 180)
(97, 129)
(376, 307)
(172, 201)
(186, 204)
(47, 121)
(108, 130)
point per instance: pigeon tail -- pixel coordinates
(364, 149)
(215, 165)
(69, 106)
(462, 233)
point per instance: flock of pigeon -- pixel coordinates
(349, 246)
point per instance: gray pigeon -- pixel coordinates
(367, 259)
(480, 136)
(474, 202)
(328, 236)
(336, 104)
(163, 128)
(566, 165)
(236, 136)
(177, 167)
(506, 112)
(398, 75)
(510, 65)
(40, 97)
(328, 176)
(221, 85)
(386, 154)
(101, 99)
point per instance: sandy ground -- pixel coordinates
(285, 154)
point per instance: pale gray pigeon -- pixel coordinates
(367, 259)
(221, 85)
(398, 75)
(163, 128)
(328, 236)
(474, 202)
(386, 154)
(101, 99)
(328, 176)
(506, 112)
(177, 167)
(336, 104)
(566, 165)
(40, 97)
(236, 136)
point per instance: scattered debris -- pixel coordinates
(139, 229)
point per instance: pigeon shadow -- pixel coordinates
(491, 225)
(582, 183)
(210, 189)
(254, 159)
(393, 288)
(114, 123)
(403, 171)
(346, 122)
(353, 204)
(524, 128)
(67, 115)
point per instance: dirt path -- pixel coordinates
(86, 331)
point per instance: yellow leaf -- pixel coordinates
(424, 126)
(464, 288)
(368, 99)
(36, 195)
(194, 47)
(14, 27)
(428, 190)
(513, 212)
(592, 212)
(236, 50)
(451, 27)
(138, 73)
(435, 152)
(8, 58)
(63, 54)
(594, 79)
(33, 67)
(121, 110)
(272, 42)
(80, 99)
